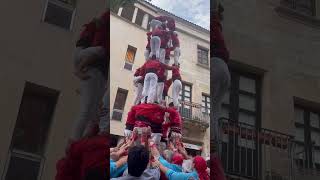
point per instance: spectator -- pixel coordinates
(138, 160)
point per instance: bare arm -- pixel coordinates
(123, 160)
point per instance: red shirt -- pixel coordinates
(171, 22)
(137, 73)
(219, 48)
(161, 75)
(164, 36)
(152, 65)
(175, 119)
(100, 37)
(167, 85)
(85, 154)
(153, 112)
(175, 41)
(88, 33)
(216, 171)
(176, 73)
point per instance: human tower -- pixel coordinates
(151, 116)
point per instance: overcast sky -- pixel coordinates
(196, 11)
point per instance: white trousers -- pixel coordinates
(176, 54)
(138, 95)
(150, 87)
(155, 43)
(162, 55)
(160, 88)
(176, 88)
(92, 91)
(146, 54)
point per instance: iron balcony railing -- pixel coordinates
(246, 151)
(191, 111)
(306, 161)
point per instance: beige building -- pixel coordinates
(38, 98)
(129, 26)
(274, 47)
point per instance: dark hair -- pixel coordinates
(138, 159)
(171, 104)
(96, 174)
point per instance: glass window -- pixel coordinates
(205, 104)
(34, 119)
(307, 132)
(21, 167)
(31, 130)
(246, 118)
(299, 134)
(129, 59)
(247, 102)
(60, 13)
(240, 104)
(203, 55)
(127, 11)
(299, 115)
(247, 84)
(140, 16)
(315, 137)
(119, 104)
(314, 120)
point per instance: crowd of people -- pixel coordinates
(149, 161)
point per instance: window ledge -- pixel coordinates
(203, 65)
(130, 22)
(299, 17)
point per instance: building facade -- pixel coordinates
(271, 125)
(38, 92)
(128, 28)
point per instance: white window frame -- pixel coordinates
(57, 2)
(24, 155)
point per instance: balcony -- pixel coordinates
(192, 115)
(248, 152)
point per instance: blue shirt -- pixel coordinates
(116, 172)
(166, 164)
(172, 175)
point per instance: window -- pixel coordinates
(119, 104)
(60, 13)
(185, 95)
(241, 104)
(205, 105)
(31, 132)
(139, 18)
(129, 59)
(203, 55)
(127, 11)
(306, 7)
(307, 137)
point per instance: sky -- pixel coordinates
(195, 11)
